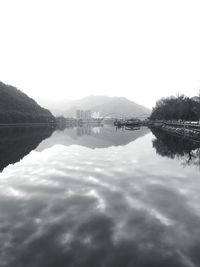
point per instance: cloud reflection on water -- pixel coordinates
(119, 206)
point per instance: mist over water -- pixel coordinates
(97, 196)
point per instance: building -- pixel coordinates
(95, 115)
(83, 114)
(88, 114)
(78, 114)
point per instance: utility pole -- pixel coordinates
(199, 107)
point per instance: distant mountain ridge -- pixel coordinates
(123, 106)
(105, 105)
(17, 107)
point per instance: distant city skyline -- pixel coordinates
(66, 50)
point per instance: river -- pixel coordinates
(98, 197)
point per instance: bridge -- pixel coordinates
(113, 113)
(123, 116)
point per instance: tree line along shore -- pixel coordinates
(17, 108)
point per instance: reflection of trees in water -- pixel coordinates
(171, 146)
(16, 142)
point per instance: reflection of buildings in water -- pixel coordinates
(80, 131)
(99, 137)
(96, 130)
(93, 137)
(88, 130)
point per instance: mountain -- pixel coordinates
(17, 107)
(105, 105)
(123, 107)
(55, 106)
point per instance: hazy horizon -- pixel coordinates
(46, 102)
(51, 103)
(141, 50)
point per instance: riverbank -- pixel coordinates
(187, 130)
(3, 125)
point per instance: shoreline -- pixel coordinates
(3, 125)
(187, 131)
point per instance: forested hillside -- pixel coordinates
(175, 108)
(17, 107)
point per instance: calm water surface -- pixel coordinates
(98, 197)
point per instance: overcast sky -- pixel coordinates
(142, 49)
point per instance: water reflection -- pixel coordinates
(167, 145)
(93, 137)
(118, 206)
(16, 142)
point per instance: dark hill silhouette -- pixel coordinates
(17, 107)
(17, 142)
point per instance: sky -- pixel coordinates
(68, 49)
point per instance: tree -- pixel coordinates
(175, 108)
